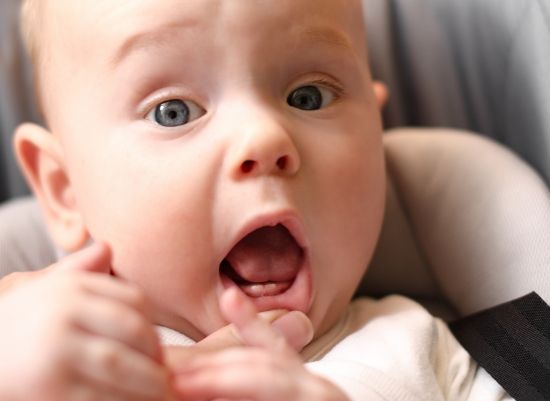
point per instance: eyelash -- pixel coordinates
(338, 90)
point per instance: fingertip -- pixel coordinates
(308, 329)
(229, 298)
(228, 303)
(296, 328)
(236, 308)
(94, 258)
(100, 246)
(100, 250)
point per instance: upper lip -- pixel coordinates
(287, 218)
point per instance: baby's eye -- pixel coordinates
(174, 113)
(310, 97)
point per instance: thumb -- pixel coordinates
(296, 328)
(94, 258)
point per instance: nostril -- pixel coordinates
(282, 162)
(247, 166)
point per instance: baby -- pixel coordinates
(229, 152)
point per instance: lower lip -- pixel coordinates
(289, 296)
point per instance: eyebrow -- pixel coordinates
(147, 39)
(157, 38)
(326, 35)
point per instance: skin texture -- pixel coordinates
(83, 335)
(172, 202)
(86, 335)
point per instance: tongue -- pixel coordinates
(266, 261)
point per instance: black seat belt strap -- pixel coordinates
(511, 342)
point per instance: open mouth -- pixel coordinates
(266, 265)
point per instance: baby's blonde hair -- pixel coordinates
(30, 26)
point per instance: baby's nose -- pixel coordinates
(262, 148)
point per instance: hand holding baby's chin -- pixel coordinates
(260, 361)
(86, 335)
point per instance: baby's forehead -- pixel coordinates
(88, 35)
(93, 16)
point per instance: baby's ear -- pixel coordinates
(381, 93)
(40, 156)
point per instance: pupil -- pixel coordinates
(172, 113)
(306, 98)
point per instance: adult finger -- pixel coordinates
(266, 329)
(240, 311)
(94, 258)
(83, 390)
(118, 368)
(240, 373)
(296, 328)
(121, 291)
(15, 279)
(117, 321)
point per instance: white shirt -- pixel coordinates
(392, 349)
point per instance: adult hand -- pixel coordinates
(293, 327)
(267, 368)
(69, 333)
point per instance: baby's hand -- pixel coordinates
(266, 369)
(69, 333)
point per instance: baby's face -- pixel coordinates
(221, 143)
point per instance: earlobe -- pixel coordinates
(40, 157)
(381, 93)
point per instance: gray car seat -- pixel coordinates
(480, 65)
